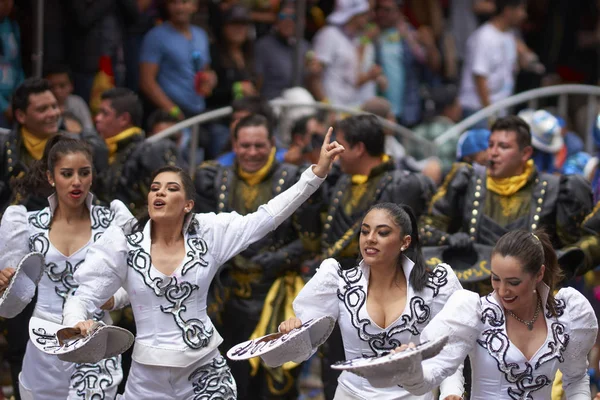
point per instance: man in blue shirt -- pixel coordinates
(175, 60)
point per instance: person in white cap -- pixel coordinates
(167, 266)
(336, 71)
(63, 233)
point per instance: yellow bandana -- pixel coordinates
(34, 145)
(112, 142)
(359, 179)
(254, 178)
(511, 185)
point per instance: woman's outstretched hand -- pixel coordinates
(330, 151)
(290, 323)
(400, 349)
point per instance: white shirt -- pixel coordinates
(477, 327)
(26, 232)
(173, 328)
(492, 54)
(343, 295)
(339, 54)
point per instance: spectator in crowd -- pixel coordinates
(546, 138)
(307, 134)
(369, 177)
(160, 120)
(96, 32)
(402, 55)
(335, 70)
(488, 73)
(175, 72)
(255, 177)
(232, 58)
(131, 159)
(233, 62)
(274, 54)
(61, 84)
(442, 112)
(476, 206)
(242, 108)
(10, 61)
(472, 147)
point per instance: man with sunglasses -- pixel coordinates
(275, 54)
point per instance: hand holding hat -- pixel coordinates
(5, 276)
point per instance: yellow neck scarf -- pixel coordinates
(511, 185)
(34, 145)
(254, 178)
(359, 179)
(112, 142)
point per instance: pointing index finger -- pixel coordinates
(327, 139)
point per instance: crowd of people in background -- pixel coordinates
(116, 72)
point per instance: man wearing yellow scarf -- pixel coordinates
(258, 286)
(131, 160)
(477, 206)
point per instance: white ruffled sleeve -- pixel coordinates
(14, 236)
(123, 218)
(460, 320)
(102, 273)
(318, 298)
(444, 275)
(231, 233)
(582, 325)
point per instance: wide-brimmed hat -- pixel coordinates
(277, 349)
(346, 9)
(384, 371)
(103, 341)
(546, 132)
(470, 265)
(21, 289)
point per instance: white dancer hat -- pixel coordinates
(104, 341)
(278, 348)
(384, 371)
(21, 289)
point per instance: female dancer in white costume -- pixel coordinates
(63, 232)
(387, 300)
(518, 336)
(166, 269)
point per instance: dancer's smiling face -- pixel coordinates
(514, 286)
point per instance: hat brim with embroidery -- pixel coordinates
(103, 341)
(383, 371)
(470, 265)
(278, 348)
(21, 288)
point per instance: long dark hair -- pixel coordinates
(188, 188)
(36, 181)
(533, 250)
(405, 218)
